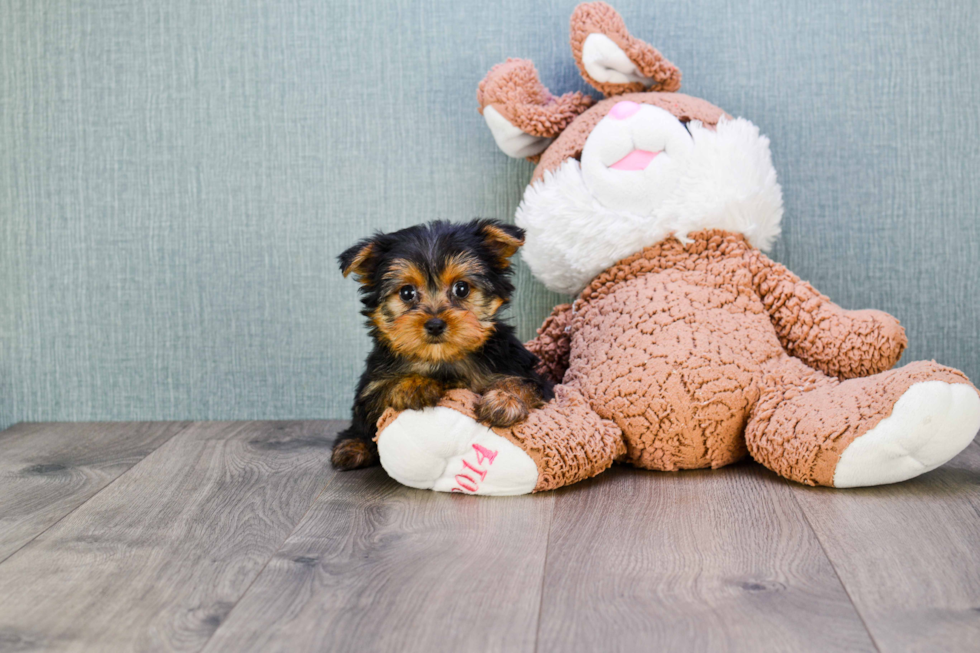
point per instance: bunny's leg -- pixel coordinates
(873, 430)
(445, 449)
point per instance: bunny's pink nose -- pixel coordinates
(623, 110)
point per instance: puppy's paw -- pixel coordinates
(415, 393)
(501, 408)
(353, 454)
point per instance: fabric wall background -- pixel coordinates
(177, 177)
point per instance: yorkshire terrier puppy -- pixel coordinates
(432, 295)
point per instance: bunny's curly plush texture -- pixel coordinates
(599, 18)
(692, 356)
(513, 88)
(688, 347)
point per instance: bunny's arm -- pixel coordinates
(838, 342)
(553, 343)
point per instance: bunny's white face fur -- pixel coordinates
(631, 159)
(644, 177)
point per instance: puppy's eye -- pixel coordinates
(461, 289)
(407, 293)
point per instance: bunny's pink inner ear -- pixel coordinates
(523, 116)
(611, 59)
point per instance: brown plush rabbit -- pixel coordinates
(686, 346)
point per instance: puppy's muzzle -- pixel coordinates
(435, 327)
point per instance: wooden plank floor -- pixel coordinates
(237, 536)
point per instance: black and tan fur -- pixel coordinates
(432, 295)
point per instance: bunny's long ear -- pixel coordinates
(523, 116)
(611, 60)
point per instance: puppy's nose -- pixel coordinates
(435, 326)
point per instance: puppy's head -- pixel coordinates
(432, 292)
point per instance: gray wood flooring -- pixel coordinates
(237, 536)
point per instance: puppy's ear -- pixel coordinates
(503, 240)
(360, 259)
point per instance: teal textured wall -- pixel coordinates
(176, 177)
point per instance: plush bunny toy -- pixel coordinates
(686, 346)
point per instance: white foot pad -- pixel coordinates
(930, 423)
(441, 449)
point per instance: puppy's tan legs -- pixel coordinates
(414, 393)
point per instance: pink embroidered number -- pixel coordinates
(481, 472)
(482, 453)
(465, 483)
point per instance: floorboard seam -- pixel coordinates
(269, 559)
(544, 572)
(97, 493)
(840, 580)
